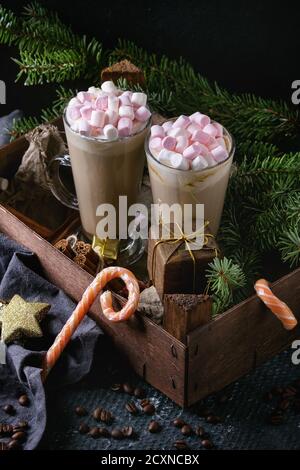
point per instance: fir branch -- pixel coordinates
(289, 246)
(246, 116)
(223, 278)
(54, 111)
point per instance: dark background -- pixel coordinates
(244, 46)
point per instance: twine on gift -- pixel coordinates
(187, 240)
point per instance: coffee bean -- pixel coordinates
(149, 409)
(207, 444)
(200, 431)
(131, 408)
(84, 428)
(24, 400)
(289, 392)
(127, 431)
(267, 397)
(145, 402)
(276, 391)
(284, 404)
(94, 433)
(275, 419)
(19, 436)
(14, 445)
(154, 427)
(139, 392)
(212, 419)
(181, 445)
(3, 446)
(97, 414)
(103, 432)
(116, 433)
(22, 425)
(9, 409)
(106, 416)
(178, 423)
(80, 411)
(186, 430)
(128, 388)
(116, 388)
(6, 429)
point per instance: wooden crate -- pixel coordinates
(213, 356)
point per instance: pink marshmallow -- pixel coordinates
(199, 163)
(182, 121)
(167, 126)
(137, 126)
(157, 131)
(111, 117)
(86, 112)
(125, 127)
(139, 99)
(201, 119)
(219, 128)
(192, 128)
(179, 162)
(219, 154)
(142, 114)
(74, 112)
(126, 111)
(83, 96)
(83, 127)
(169, 143)
(210, 160)
(200, 136)
(102, 103)
(192, 151)
(182, 143)
(97, 118)
(125, 100)
(221, 142)
(73, 102)
(155, 143)
(210, 130)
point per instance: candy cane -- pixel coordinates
(85, 304)
(277, 306)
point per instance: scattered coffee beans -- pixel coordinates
(80, 411)
(94, 433)
(131, 408)
(116, 433)
(9, 409)
(139, 392)
(19, 436)
(154, 427)
(14, 445)
(212, 419)
(128, 431)
(24, 400)
(186, 430)
(207, 444)
(181, 445)
(103, 432)
(200, 431)
(116, 388)
(84, 428)
(149, 409)
(128, 388)
(178, 423)
(97, 414)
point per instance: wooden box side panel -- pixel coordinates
(151, 351)
(243, 337)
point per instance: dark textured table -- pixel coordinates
(244, 413)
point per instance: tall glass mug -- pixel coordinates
(102, 170)
(207, 186)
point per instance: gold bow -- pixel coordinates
(106, 248)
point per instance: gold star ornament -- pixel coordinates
(20, 319)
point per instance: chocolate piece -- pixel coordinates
(123, 69)
(185, 312)
(172, 268)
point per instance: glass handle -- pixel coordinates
(57, 187)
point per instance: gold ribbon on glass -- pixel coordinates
(187, 240)
(106, 248)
